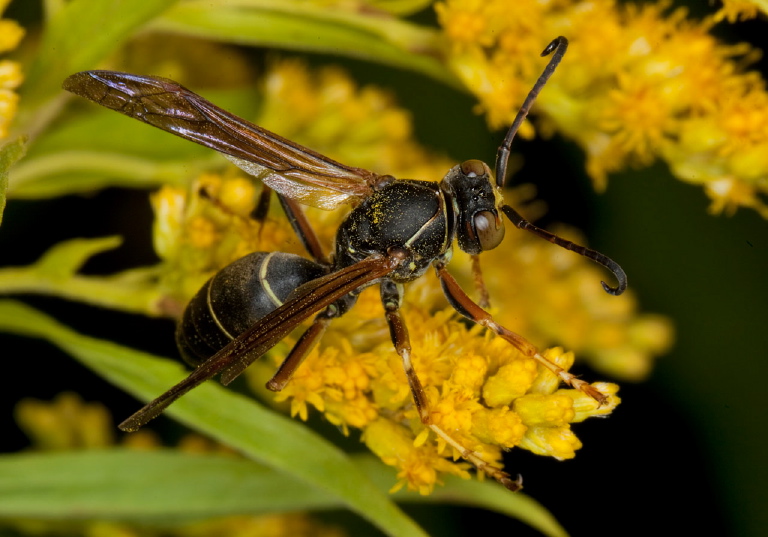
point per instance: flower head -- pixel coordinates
(11, 34)
(639, 83)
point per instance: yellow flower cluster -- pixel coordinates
(485, 393)
(735, 10)
(640, 82)
(66, 423)
(481, 390)
(326, 111)
(10, 71)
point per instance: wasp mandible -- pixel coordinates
(395, 231)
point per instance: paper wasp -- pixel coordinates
(395, 231)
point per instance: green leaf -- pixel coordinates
(9, 154)
(481, 494)
(79, 36)
(55, 273)
(161, 486)
(306, 26)
(172, 487)
(400, 7)
(234, 420)
(77, 172)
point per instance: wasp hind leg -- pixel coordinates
(300, 350)
(390, 296)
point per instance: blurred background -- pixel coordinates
(684, 452)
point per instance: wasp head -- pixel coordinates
(476, 202)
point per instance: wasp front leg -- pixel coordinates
(391, 296)
(469, 309)
(477, 276)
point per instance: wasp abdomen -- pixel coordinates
(237, 297)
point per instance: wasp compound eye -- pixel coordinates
(488, 229)
(474, 168)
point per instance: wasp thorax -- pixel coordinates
(474, 197)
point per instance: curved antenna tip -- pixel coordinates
(615, 291)
(556, 42)
(621, 276)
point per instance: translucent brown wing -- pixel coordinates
(287, 167)
(270, 330)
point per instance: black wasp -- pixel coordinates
(395, 231)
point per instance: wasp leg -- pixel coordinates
(464, 305)
(390, 297)
(300, 350)
(260, 211)
(477, 275)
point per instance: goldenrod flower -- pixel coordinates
(735, 10)
(10, 71)
(639, 83)
(66, 423)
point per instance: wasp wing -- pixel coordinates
(287, 167)
(270, 330)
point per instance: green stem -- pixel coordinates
(366, 34)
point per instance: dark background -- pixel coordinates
(684, 451)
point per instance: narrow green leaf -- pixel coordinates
(55, 273)
(161, 486)
(81, 34)
(234, 420)
(66, 258)
(482, 494)
(488, 495)
(306, 26)
(77, 172)
(400, 7)
(171, 487)
(9, 154)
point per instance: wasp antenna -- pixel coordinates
(559, 45)
(594, 255)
